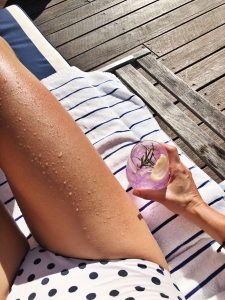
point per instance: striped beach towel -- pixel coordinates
(114, 120)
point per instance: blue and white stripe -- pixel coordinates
(114, 119)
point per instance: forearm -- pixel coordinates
(13, 247)
(208, 220)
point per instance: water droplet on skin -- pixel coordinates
(63, 167)
(19, 119)
(24, 129)
(70, 193)
(64, 182)
(39, 155)
(56, 172)
(34, 133)
(77, 209)
(46, 164)
(60, 154)
(89, 192)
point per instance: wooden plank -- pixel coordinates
(96, 21)
(53, 2)
(190, 153)
(215, 93)
(77, 15)
(195, 50)
(188, 31)
(137, 36)
(213, 135)
(127, 59)
(169, 95)
(131, 52)
(166, 128)
(187, 150)
(58, 10)
(121, 26)
(193, 100)
(205, 71)
(194, 137)
(184, 147)
(212, 174)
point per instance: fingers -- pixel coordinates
(148, 194)
(172, 155)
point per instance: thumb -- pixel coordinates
(156, 195)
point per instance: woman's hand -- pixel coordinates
(181, 194)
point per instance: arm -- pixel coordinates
(182, 197)
(209, 220)
(13, 247)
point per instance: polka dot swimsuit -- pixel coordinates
(45, 275)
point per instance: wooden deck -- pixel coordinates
(185, 36)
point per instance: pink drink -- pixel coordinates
(142, 159)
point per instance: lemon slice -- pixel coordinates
(160, 169)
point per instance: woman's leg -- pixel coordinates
(13, 247)
(70, 199)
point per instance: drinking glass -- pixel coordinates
(148, 166)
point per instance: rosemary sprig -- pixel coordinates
(148, 159)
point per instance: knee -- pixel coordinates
(5, 47)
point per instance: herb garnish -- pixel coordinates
(148, 159)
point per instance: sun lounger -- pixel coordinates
(114, 119)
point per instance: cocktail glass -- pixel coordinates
(148, 166)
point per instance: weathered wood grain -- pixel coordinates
(195, 50)
(188, 31)
(183, 146)
(58, 10)
(77, 15)
(193, 136)
(212, 174)
(188, 151)
(131, 52)
(191, 154)
(127, 59)
(121, 26)
(98, 20)
(215, 93)
(133, 38)
(194, 101)
(205, 71)
(53, 2)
